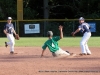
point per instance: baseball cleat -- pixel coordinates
(12, 52)
(67, 51)
(88, 54)
(6, 44)
(82, 54)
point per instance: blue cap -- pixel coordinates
(81, 18)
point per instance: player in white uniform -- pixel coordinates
(9, 30)
(84, 28)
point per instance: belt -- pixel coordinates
(10, 33)
(86, 31)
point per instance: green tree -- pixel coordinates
(8, 8)
(59, 9)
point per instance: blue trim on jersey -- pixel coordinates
(84, 27)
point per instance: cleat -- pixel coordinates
(12, 52)
(88, 54)
(67, 51)
(6, 44)
(82, 54)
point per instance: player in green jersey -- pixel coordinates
(52, 44)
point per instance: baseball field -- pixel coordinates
(29, 62)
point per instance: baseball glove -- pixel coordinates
(17, 37)
(73, 34)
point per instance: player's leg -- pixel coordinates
(82, 44)
(86, 45)
(61, 52)
(87, 50)
(11, 43)
(8, 36)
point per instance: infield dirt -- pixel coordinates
(29, 62)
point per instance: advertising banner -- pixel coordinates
(93, 27)
(31, 28)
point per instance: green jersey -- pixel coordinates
(52, 44)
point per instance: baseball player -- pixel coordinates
(84, 28)
(9, 30)
(52, 44)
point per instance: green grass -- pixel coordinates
(75, 42)
(39, 41)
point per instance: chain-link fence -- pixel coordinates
(29, 28)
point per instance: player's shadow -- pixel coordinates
(82, 59)
(18, 58)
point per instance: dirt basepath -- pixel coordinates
(28, 62)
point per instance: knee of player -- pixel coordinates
(82, 43)
(12, 43)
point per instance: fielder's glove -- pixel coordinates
(17, 37)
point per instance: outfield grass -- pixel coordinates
(66, 41)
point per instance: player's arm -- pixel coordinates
(76, 31)
(61, 32)
(42, 53)
(5, 32)
(14, 32)
(44, 48)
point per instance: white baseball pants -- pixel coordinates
(11, 42)
(61, 52)
(83, 43)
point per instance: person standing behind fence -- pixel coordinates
(84, 28)
(9, 30)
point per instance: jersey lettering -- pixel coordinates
(9, 28)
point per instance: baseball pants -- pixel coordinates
(61, 52)
(11, 42)
(83, 43)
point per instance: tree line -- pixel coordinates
(58, 9)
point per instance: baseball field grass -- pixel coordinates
(39, 41)
(28, 59)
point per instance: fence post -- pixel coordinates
(46, 14)
(17, 27)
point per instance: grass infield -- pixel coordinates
(65, 42)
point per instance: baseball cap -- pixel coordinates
(49, 33)
(9, 18)
(81, 18)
